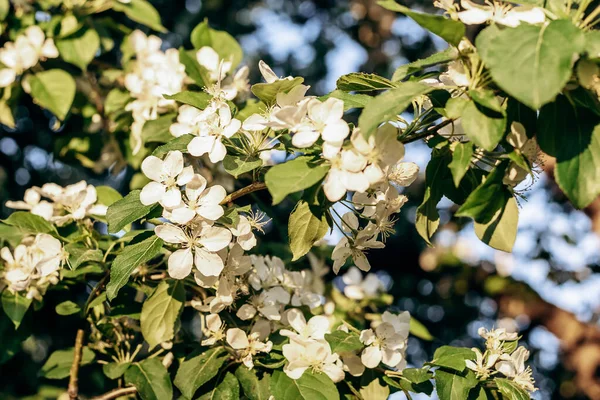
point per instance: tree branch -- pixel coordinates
(427, 132)
(113, 394)
(73, 389)
(256, 186)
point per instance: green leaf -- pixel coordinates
(428, 218)
(80, 47)
(67, 308)
(114, 370)
(228, 389)
(438, 58)
(199, 100)
(419, 330)
(6, 115)
(511, 390)
(573, 137)
(405, 384)
(54, 90)
(341, 341)
(454, 386)
(194, 70)
(294, 176)
(128, 260)
(360, 82)
(501, 232)
(487, 99)
(15, 306)
(222, 42)
(151, 379)
(11, 338)
(448, 29)
(29, 224)
(592, 44)
(107, 195)
(238, 165)
(142, 12)
(489, 197)
(387, 106)
(310, 386)
(116, 100)
(532, 63)
(304, 229)
(254, 389)
(461, 160)
(179, 144)
(484, 127)
(199, 368)
(350, 100)
(375, 391)
(267, 92)
(125, 211)
(59, 363)
(4, 9)
(417, 375)
(79, 254)
(157, 130)
(452, 357)
(160, 312)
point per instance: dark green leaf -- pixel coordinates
(199, 100)
(59, 363)
(452, 357)
(341, 342)
(125, 211)
(160, 312)
(310, 386)
(360, 82)
(489, 197)
(198, 369)
(238, 165)
(151, 379)
(67, 308)
(293, 176)
(129, 259)
(15, 306)
(454, 386)
(438, 58)
(228, 389)
(254, 388)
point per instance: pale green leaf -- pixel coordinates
(341, 341)
(310, 386)
(375, 391)
(114, 370)
(54, 90)
(15, 305)
(238, 165)
(448, 29)
(461, 160)
(142, 12)
(157, 130)
(67, 308)
(387, 106)
(59, 363)
(359, 82)
(419, 330)
(452, 357)
(80, 47)
(501, 232)
(160, 312)
(531, 62)
(511, 390)
(438, 58)
(304, 229)
(454, 386)
(199, 100)
(222, 42)
(267, 92)
(294, 176)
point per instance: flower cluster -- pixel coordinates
(61, 205)
(32, 266)
(151, 75)
(25, 52)
(502, 356)
(498, 12)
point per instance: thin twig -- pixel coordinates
(427, 132)
(256, 186)
(73, 389)
(113, 394)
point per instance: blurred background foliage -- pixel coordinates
(548, 289)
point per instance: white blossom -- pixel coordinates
(32, 201)
(247, 346)
(166, 175)
(28, 48)
(200, 244)
(314, 355)
(500, 13)
(214, 126)
(483, 364)
(358, 288)
(199, 200)
(513, 366)
(387, 343)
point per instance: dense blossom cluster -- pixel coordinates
(502, 356)
(25, 52)
(32, 266)
(61, 205)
